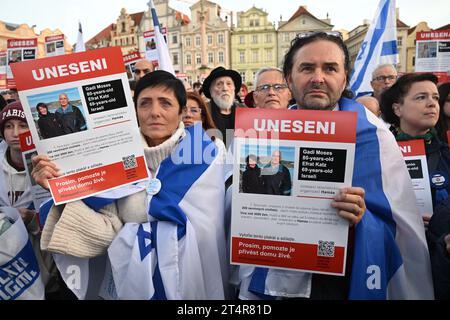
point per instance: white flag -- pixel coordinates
(164, 61)
(379, 47)
(80, 43)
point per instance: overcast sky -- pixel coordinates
(95, 15)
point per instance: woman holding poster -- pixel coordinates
(411, 105)
(162, 242)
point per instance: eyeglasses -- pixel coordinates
(193, 111)
(308, 34)
(277, 87)
(384, 78)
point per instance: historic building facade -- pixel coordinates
(301, 20)
(205, 41)
(253, 44)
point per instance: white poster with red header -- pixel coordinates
(19, 50)
(433, 53)
(130, 60)
(54, 45)
(416, 161)
(151, 53)
(281, 214)
(28, 148)
(91, 130)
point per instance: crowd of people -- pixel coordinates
(174, 244)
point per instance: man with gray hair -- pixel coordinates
(271, 89)
(222, 86)
(383, 77)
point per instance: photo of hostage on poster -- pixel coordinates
(81, 115)
(289, 166)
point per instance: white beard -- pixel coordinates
(223, 103)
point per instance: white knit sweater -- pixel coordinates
(77, 230)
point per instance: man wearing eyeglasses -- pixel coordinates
(141, 68)
(383, 77)
(387, 255)
(271, 90)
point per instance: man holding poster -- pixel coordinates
(317, 69)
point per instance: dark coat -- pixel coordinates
(438, 158)
(71, 120)
(252, 180)
(49, 127)
(278, 183)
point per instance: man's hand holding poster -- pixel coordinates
(90, 129)
(289, 165)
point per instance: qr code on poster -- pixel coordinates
(129, 162)
(325, 249)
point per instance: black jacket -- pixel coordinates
(49, 127)
(72, 120)
(252, 180)
(438, 159)
(278, 183)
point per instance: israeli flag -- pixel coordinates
(20, 277)
(164, 61)
(379, 47)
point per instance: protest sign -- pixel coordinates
(284, 219)
(91, 131)
(416, 161)
(54, 46)
(28, 148)
(433, 53)
(130, 60)
(19, 50)
(151, 51)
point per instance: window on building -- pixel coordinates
(303, 21)
(269, 55)
(175, 39)
(241, 39)
(198, 58)
(197, 41)
(414, 61)
(286, 37)
(210, 39)
(255, 38)
(188, 59)
(243, 76)
(221, 57)
(210, 57)
(257, 23)
(242, 56)
(175, 58)
(399, 41)
(124, 29)
(188, 41)
(255, 55)
(220, 38)
(268, 38)
(251, 23)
